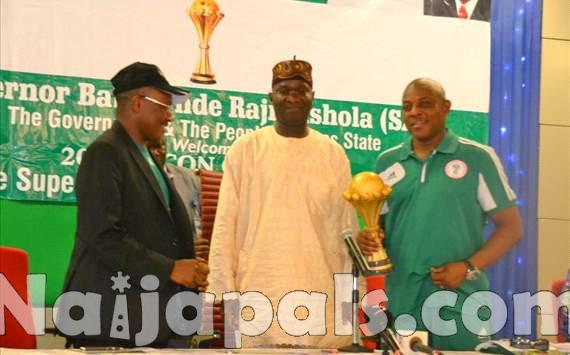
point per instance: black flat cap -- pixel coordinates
(138, 75)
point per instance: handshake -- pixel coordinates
(193, 273)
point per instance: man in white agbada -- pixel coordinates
(280, 215)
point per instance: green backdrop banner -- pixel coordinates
(48, 121)
(54, 103)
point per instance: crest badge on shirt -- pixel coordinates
(456, 169)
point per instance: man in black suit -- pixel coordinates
(468, 9)
(131, 222)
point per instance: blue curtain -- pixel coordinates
(513, 124)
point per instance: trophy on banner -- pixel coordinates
(367, 194)
(205, 14)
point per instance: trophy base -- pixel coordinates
(381, 267)
(203, 78)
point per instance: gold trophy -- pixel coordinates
(205, 15)
(367, 194)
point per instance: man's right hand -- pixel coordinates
(191, 273)
(368, 241)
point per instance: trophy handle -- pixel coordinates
(379, 261)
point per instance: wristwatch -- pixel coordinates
(473, 272)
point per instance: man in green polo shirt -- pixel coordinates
(444, 189)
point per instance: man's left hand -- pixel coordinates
(449, 276)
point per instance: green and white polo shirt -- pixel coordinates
(436, 213)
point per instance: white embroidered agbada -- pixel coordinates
(278, 224)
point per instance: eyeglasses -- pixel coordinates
(168, 108)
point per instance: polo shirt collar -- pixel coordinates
(448, 145)
(407, 150)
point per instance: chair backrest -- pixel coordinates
(14, 266)
(372, 283)
(210, 182)
(557, 287)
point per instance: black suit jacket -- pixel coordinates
(125, 225)
(447, 8)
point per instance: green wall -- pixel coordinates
(46, 232)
